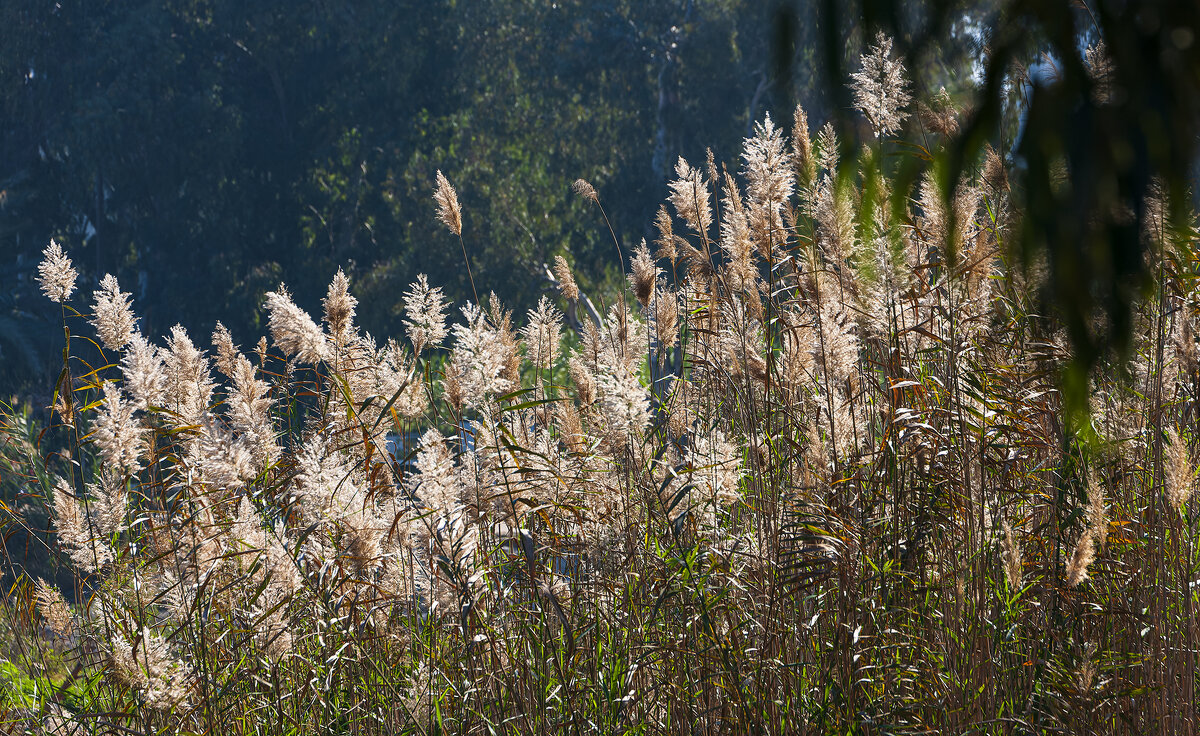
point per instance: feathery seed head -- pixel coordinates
(566, 280)
(53, 607)
(1086, 675)
(148, 666)
(326, 487)
(447, 204)
(435, 481)
(452, 386)
(644, 274)
(117, 432)
(690, 196)
(767, 166)
(425, 310)
(1179, 470)
(736, 239)
(541, 334)
(585, 190)
(501, 320)
(397, 377)
(717, 467)
(1010, 554)
(1097, 514)
(937, 213)
(570, 426)
(995, 175)
(584, 380)
(142, 368)
(226, 350)
(880, 88)
(189, 383)
(666, 235)
(1081, 558)
(802, 156)
(829, 149)
(941, 115)
(481, 357)
(110, 503)
(56, 274)
(666, 321)
(339, 308)
(113, 318)
(624, 402)
(73, 528)
(220, 460)
(293, 330)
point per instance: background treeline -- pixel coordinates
(203, 152)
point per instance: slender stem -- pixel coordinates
(467, 261)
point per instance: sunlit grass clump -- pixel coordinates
(809, 473)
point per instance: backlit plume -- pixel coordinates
(226, 351)
(142, 369)
(881, 89)
(541, 334)
(644, 274)
(447, 205)
(566, 280)
(480, 354)
(117, 433)
(584, 189)
(55, 274)
(690, 196)
(113, 318)
(293, 330)
(425, 315)
(53, 607)
(339, 309)
(1179, 470)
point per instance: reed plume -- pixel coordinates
(450, 214)
(56, 275)
(541, 334)
(447, 205)
(1011, 557)
(142, 370)
(425, 310)
(339, 307)
(880, 88)
(113, 315)
(690, 196)
(1179, 470)
(293, 330)
(53, 608)
(117, 433)
(226, 351)
(1081, 558)
(566, 280)
(643, 274)
(585, 190)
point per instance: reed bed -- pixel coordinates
(810, 473)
